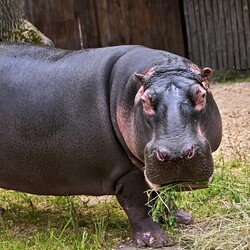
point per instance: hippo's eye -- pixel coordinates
(148, 105)
(146, 101)
(199, 98)
(151, 98)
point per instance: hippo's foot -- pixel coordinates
(130, 192)
(150, 235)
(183, 217)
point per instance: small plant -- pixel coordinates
(162, 202)
(162, 205)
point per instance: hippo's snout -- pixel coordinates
(185, 162)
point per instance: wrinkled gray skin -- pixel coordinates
(84, 123)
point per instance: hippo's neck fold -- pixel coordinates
(123, 120)
(123, 91)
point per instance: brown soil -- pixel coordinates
(234, 105)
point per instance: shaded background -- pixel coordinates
(211, 33)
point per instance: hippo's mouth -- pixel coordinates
(181, 185)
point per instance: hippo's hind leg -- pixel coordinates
(130, 192)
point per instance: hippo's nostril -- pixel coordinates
(190, 152)
(160, 155)
(165, 155)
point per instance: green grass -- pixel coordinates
(230, 76)
(222, 217)
(42, 222)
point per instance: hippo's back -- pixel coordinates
(56, 135)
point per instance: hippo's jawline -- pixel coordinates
(181, 185)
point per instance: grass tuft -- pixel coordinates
(231, 231)
(231, 76)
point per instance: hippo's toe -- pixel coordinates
(183, 217)
(151, 239)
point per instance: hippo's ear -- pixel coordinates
(206, 73)
(140, 78)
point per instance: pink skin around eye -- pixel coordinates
(147, 105)
(200, 98)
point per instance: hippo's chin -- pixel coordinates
(150, 184)
(181, 185)
(190, 186)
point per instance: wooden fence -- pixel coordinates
(218, 32)
(214, 33)
(74, 24)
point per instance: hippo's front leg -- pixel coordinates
(130, 192)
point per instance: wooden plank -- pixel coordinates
(103, 19)
(163, 7)
(204, 28)
(218, 34)
(188, 27)
(194, 55)
(79, 10)
(199, 33)
(246, 22)
(236, 52)
(229, 35)
(126, 24)
(241, 43)
(57, 20)
(223, 38)
(133, 31)
(178, 41)
(71, 26)
(173, 37)
(210, 33)
(43, 20)
(115, 23)
(156, 24)
(88, 17)
(146, 24)
(140, 28)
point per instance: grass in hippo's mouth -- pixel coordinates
(221, 213)
(185, 186)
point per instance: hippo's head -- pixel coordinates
(173, 125)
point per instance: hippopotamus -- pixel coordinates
(107, 121)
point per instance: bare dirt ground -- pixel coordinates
(234, 105)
